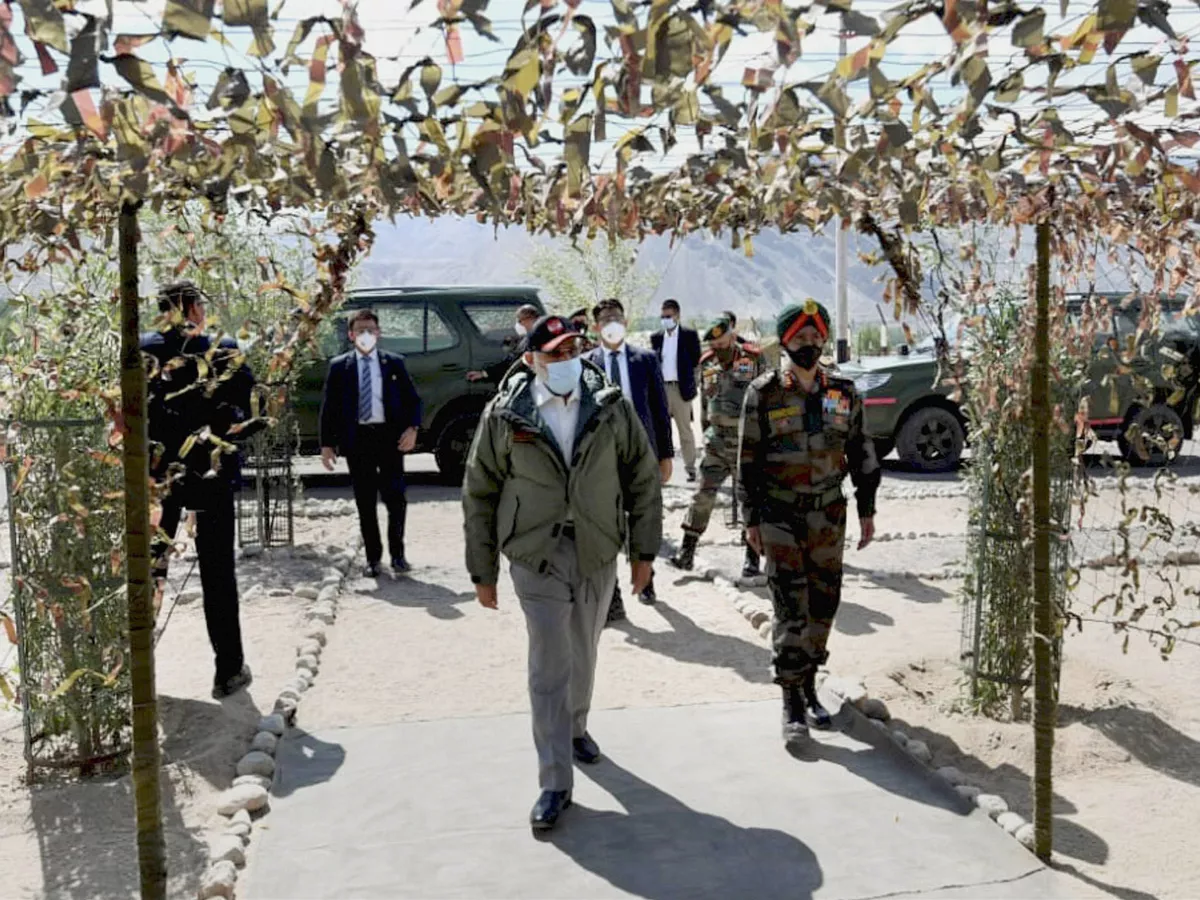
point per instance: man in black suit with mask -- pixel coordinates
(370, 414)
(198, 402)
(678, 350)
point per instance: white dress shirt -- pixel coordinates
(670, 355)
(622, 364)
(377, 417)
(561, 414)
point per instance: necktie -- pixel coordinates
(615, 376)
(364, 389)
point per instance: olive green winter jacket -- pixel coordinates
(519, 492)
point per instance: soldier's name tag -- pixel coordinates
(785, 412)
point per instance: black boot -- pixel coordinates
(815, 714)
(794, 728)
(686, 557)
(750, 568)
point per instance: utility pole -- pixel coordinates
(842, 315)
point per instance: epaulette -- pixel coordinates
(752, 349)
(707, 355)
(765, 380)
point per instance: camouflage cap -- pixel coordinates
(717, 328)
(796, 316)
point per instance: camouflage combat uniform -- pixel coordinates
(723, 385)
(796, 450)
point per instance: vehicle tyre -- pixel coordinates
(931, 440)
(1151, 435)
(453, 445)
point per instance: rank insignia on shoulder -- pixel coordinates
(522, 436)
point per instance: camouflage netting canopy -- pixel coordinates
(618, 118)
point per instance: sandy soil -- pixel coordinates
(64, 839)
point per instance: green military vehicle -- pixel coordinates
(443, 333)
(905, 410)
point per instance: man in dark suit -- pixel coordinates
(527, 316)
(579, 319)
(678, 350)
(370, 414)
(186, 403)
(636, 372)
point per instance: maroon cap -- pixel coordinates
(549, 332)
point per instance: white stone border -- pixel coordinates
(250, 792)
(854, 695)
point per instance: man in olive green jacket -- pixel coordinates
(560, 479)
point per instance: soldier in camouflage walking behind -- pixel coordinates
(801, 433)
(727, 370)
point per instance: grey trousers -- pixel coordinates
(564, 615)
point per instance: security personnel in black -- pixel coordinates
(198, 406)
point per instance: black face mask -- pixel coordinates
(805, 357)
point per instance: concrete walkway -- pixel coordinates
(412, 771)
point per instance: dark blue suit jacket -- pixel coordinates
(178, 406)
(688, 361)
(339, 405)
(648, 393)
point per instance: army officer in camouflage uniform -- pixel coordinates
(727, 368)
(801, 433)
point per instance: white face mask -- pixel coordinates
(668, 323)
(563, 376)
(365, 341)
(520, 329)
(613, 333)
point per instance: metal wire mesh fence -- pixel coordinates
(997, 617)
(68, 603)
(1135, 549)
(266, 503)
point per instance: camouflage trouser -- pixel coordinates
(804, 571)
(718, 464)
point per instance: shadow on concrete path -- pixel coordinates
(689, 643)
(662, 849)
(320, 762)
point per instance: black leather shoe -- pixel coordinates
(400, 566)
(586, 750)
(548, 808)
(371, 570)
(230, 686)
(648, 596)
(616, 609)
(691, 474)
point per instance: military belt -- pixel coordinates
(813, 502)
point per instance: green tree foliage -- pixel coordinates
(581, 274)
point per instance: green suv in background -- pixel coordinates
(443, 333)
(905, 410)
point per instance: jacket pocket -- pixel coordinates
(509, 526)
